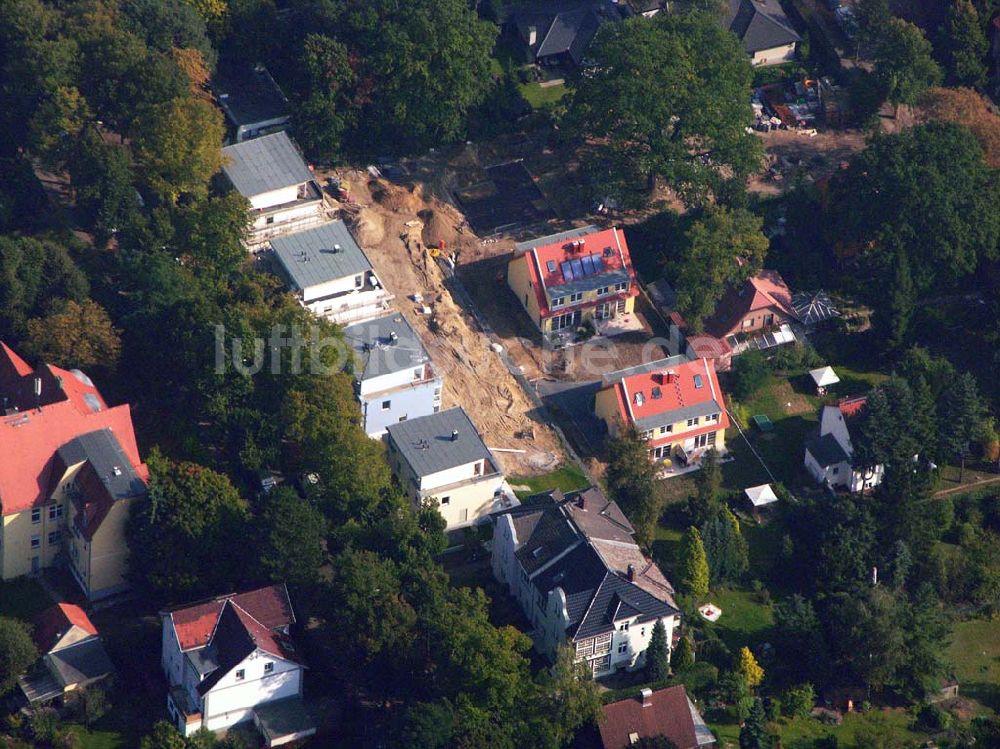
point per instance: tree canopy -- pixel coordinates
(666, 99)
(904, 63)
(721, 249)
(924, 193)
(17, 652)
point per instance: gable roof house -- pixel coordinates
(666, 712)
(252, 101)
(73, 656)
(676, 405)
(69, 475)
(330, 274)
(230, 659)
(574, 277)
(828, 454)
(558, 33)
(270, 173)
(767, 35)
(573, 566)
(441, 460)
(394, 378)
(753, 315)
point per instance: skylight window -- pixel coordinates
(698, 383)
(657, 393)
(551, 265)
(639, 399)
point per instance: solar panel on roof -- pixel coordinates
(577, 268)
(567, 271)
(598, 263)
(588, 265)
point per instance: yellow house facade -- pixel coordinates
(70, 475)
(565, 280)
(676, 405)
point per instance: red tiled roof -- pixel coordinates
(764, 291)
(269, 606)
(608, 244)
(668, 714)
(678, 389)
(55, 621)
(30, 438)
(852, 406)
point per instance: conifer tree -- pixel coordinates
(657, 666)
(694, 564)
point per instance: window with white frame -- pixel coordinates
(36, 515)
(558, 302)
(36, 541)
(623, 648)
(55, 537)
(604, 290)
(269, 668)
(386, 405)
(623, 627)
(241, 674)
(623, 286)
(692, 422)
(55, 512)
(577, 297)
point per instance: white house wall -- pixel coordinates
(464, 472)
(171, 658)
(468, 503)
(275, 197)
(231, 701)
(775, 55)
(395, 380)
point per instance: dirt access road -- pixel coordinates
(796, 155)
(397, 225)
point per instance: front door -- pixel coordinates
(35, 566)
(606, 310)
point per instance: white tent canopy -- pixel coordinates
(824, 377)
(761, 495)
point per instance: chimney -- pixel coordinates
(581, 502)
(647, 696)
(630, 573)
(532, 36)
(454, 435)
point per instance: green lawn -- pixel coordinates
(538, 96)
(22, 598)
(974, 654)
(744, 620)
(568, 478)
(92, 739)
(801, 733)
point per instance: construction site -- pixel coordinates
(412, 240)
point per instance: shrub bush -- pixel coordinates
(750, 373)
(798, 701)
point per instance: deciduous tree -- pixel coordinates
(77, 335)
(704, 503)
(290, 532)
(966, 107)
(666, 99)
(903, 62)
(185, 538)
(178, 144)
(721, 249)
(631, 480)
(17, 652)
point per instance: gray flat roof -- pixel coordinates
(263, 164)
(385, 345)
(249, 95)
(427, 445)
(705, 408)
(318, 255)
(671, 361)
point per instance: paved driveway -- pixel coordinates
(572, 405)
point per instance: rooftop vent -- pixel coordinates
(454, 435)
(639, 399)
(630, 573)
(647, 697)
(116, 470)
